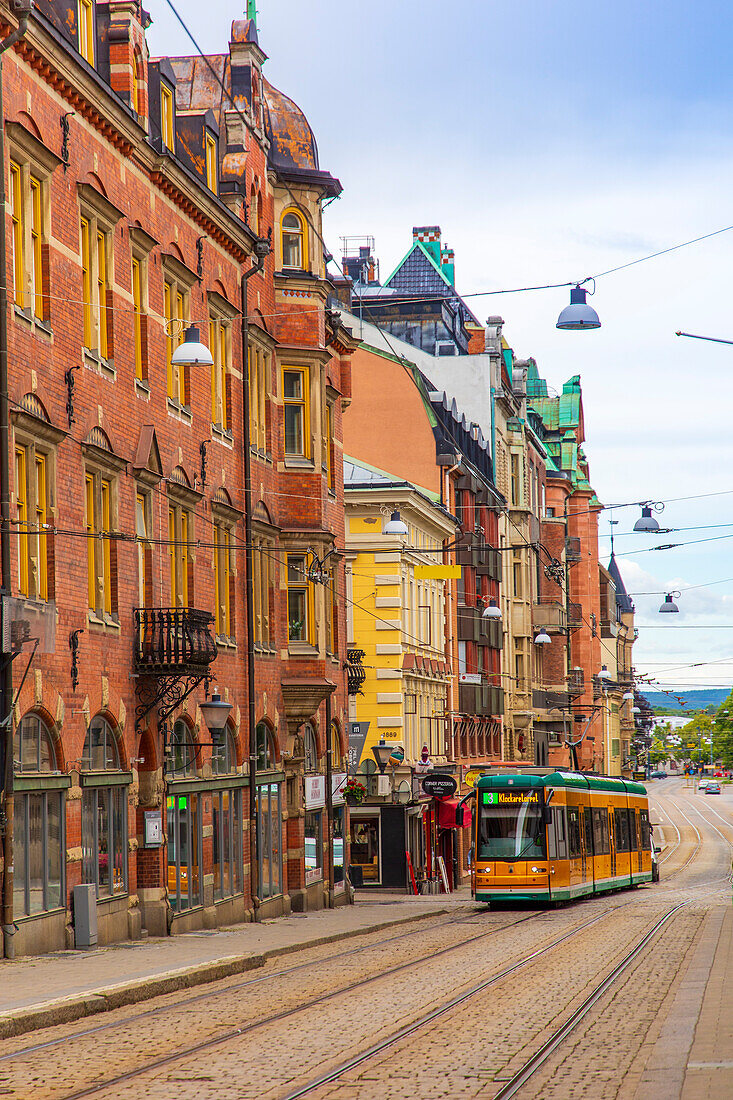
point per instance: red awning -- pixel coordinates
(447, 813)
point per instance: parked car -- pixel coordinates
(712, 788)
(702, 785)
(657, 775)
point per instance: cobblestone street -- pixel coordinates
(515, 976)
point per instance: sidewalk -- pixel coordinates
(44, 990)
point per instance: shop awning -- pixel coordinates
(447, 813)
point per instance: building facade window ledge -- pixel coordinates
(109, 622)
(94, 361)
(34, 324)
(222, 435)
(262, 456)
(179, 412)
(142, 389)
(302, 649)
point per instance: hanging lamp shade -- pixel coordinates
(215, 712)
(647, 521)
(578, 314)
(543, 638)
(395, 526)
(491, 611)
(604, 674)
(191, 352)
(628, 697)
(668, 606)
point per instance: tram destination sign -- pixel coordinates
(439, 785)
(510, 798)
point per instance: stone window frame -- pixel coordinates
(35, 162)
(180, 280)
(225, 518)
(104, 465)
(101, 217)
(141, 247)
(222, 315)
(38, 437)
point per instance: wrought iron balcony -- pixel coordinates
(173, 641)
(355, 672)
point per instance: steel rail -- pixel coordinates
(441, 1010)
(185, 1002)
(520, 1078)
(235, 1033)
(696, 849)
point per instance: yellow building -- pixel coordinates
(397, 615)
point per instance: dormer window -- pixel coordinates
(86, 30)
(211, 163)
(293, 240)
(166, 116)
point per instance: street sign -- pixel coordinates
(439, 785)
(357, 737)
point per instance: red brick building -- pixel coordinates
(137, 192)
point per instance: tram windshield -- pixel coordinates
(511, 826)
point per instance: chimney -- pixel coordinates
(429, 238)
(448, 264)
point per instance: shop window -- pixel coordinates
(296, 412)
(259, 373)
(38, 826)
(103, 813)
(181, 758)
(293, 240)
(85, 11)
(226, 821)
(166, 117)
(220, 346)
(101, 576)
(301, 601)
(365, 846)
(269, 837)
(185, 842)
(310, 748)
(313, 846)
(33, 501)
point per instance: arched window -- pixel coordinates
(101, 753)
(311, 748)
(265, 747)
(293, 240)
(223, 753)
(254, 210)
(103, 812)
(33, 749)
(181, 752)
(335, 747)
(38, 826)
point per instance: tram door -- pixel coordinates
(612, 837)
(583, 843)
(639, 845)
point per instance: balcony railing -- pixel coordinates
(576, 682)
(480, 699)
(355, 672)
(549, 614)
(173, 640)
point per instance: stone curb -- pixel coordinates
(64, 1010)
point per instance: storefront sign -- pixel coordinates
(472, 777)
(315, 792)
(338, 787)
(439, 785)
(357, 737)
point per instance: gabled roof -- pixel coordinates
(623, 599)
(418, 274)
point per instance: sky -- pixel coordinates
(552, 141)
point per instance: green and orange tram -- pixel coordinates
(558, 836)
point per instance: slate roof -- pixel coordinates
(623, 599)
(418, 275)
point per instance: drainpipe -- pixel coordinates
(6, 685)
(262, 249)
(329, 805)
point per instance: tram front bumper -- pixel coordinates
(513, 881)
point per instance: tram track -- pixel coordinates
(427, 1018)
(235, 1033)
(222, 989)
(538, 1059)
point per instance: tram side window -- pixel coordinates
(633, 846)
(574, 831)
(622, 830)
(561, 843)
(644, 828)
(601, 843)
(588, 823)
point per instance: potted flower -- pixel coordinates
(354, 791)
